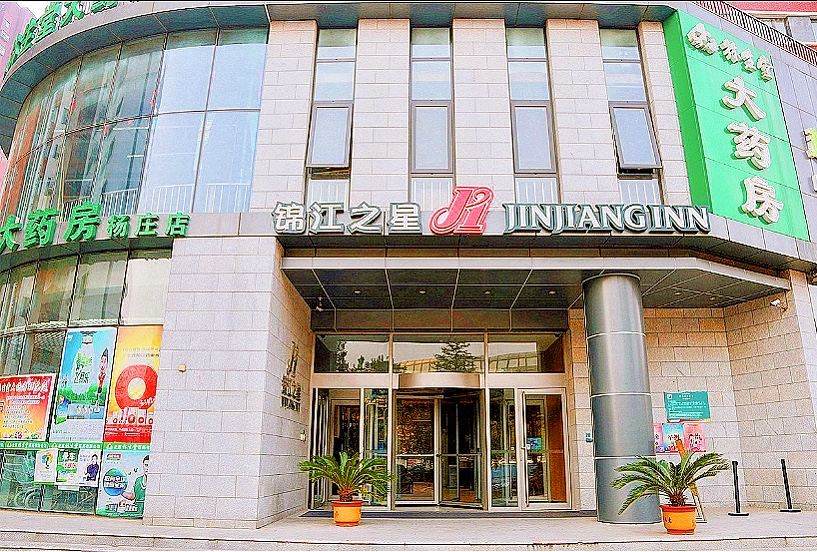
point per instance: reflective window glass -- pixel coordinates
(185, 75)
(625, 82)
(62, 95)
(634, 138)
(438, 353)
(238, 69)
(619, 44)
(226, 167)
(431, 80)
(93, 89)
(335, 81)
(532, 139)
(431, 193)
(503, 448)
(42, 182)
(29, 117)
(14, 185)
(38, 114)
(122, 157)
(336, 43)
(528, 80)
(53, 286)
(78, 500)
(525, 353)
(431, 43)
(352, 353)
(17, 488)
(326, 190)
(42, 353)
(173, 157)
(17, 296)
(525, 43)
(81, 156)
(98, 289)
(12, 350)
(431, 138)
(134, 90)
(536, 190)
(330, 137)
(146, 288)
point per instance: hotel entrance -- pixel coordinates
(475, 421)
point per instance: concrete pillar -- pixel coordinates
(619, 390)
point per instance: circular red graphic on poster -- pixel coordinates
(136, 387)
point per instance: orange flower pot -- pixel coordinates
(678, 520)
(346, 513)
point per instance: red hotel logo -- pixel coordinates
(465, 214)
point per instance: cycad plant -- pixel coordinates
(352, 474)
(661, 478)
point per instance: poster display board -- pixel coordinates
(687, 405)
(135, 373)
(691, 434)
(25, 403)
(83, 384)
(123, 482)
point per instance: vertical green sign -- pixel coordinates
(736, 145)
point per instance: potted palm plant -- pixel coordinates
(653, 477)
(354, 476)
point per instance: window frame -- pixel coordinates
(328, 175)
(349, 105)
(642, 106)
(546, 105)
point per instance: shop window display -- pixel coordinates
(80, 449)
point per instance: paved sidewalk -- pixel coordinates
(761, 530)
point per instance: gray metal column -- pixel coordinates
(619, 390)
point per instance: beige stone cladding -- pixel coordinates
(773, 350)
(380, 134)
(664, 114)
(584, 135)
(482, 120)
(283, 126)
(686, 351)
(224, 451)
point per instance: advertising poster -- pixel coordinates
(24, 406)
(694, 438)
(123, 483)
(658, 434)
(133, 391)
(82, 385)
(67, 466)
(672, 432)
(45, 466)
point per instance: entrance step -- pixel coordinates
(458, 514)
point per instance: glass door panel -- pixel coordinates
(375, 426)
(319, 492)
(460, 455)
(502, 426)
(414, 447)
(545, 476)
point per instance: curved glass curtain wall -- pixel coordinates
(161, 124)
(39, 303)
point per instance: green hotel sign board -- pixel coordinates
(687, 405)
(736, 145)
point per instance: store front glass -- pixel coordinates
(487, 432)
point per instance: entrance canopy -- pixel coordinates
(512, 283)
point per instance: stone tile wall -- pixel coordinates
(773, 354)
(380, 130)
(224, 451)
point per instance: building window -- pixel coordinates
(2, 51)
(643, 190)
(4, 36)
(636, 148)
(432, 113)
(6, 24)
(778, 23)
(531, 119)
(330, 134)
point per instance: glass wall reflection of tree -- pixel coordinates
(454, 356)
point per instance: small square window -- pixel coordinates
(625, 82)
(335, 81)
(431, 43)
(431, 80)
(528, 80)
(431, 193)
(336, 43)
(619, 44)
(526, 43)
(643, 191)
(327, 190)
(536, 190)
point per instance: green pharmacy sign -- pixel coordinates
(57, 15)
(736, 145)
(40, 229)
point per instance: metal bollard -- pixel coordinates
(786, 486)
(737, 511)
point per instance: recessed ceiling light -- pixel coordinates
(422, 292)
(551, 292)
(677, 293)
(357, 292)
(487, 292)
